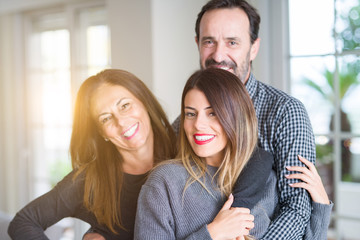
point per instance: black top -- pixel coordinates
(66, 200)
(130, 192)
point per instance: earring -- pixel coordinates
(106, 139)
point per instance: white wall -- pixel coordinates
(270, 65)
(131, 37)
(174, 48)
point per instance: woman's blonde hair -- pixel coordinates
(234, 109)
(100, 160)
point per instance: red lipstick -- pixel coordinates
(202, 139)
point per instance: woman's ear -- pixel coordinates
(100, 132)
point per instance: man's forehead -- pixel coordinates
(230, 22)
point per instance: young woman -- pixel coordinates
(184, 198)
(119, 133)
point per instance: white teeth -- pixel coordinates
(131, 131)
(225, 68)
(204, 138)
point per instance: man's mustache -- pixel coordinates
(211, 62)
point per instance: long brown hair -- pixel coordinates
(100, 160)
(234, 109)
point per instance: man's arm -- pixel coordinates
(293, 136)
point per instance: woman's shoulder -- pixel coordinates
(172, 164)
(72, 178)
(72, 185)
(167, 171)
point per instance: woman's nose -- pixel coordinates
(200, 122)
(120, 120)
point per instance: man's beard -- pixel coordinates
(241, 72)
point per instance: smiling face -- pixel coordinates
(202, 128)
(122, 118)
(224, 41)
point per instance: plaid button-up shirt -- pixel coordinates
(285, 131)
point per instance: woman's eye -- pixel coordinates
(189, 114)
(212, 114)
(125, 106)
(105, 120)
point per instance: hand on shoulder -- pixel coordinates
(311, 181)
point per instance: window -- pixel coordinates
(324, 67)
(49, 101)
(64, 46)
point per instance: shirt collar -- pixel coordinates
(251, 85)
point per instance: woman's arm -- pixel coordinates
(322, 206)
(64, 200)
(249, 187)
(311, 181)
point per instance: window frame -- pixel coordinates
(336, 135)
(70, 12)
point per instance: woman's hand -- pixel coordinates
(231, 222)
(311, 181)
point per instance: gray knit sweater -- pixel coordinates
(166, 212)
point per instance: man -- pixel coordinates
(227, 38)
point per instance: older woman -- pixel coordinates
(119, 133)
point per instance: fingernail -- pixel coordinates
(288, 167)
(231, 195)
(287, 176)
(291, 184)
